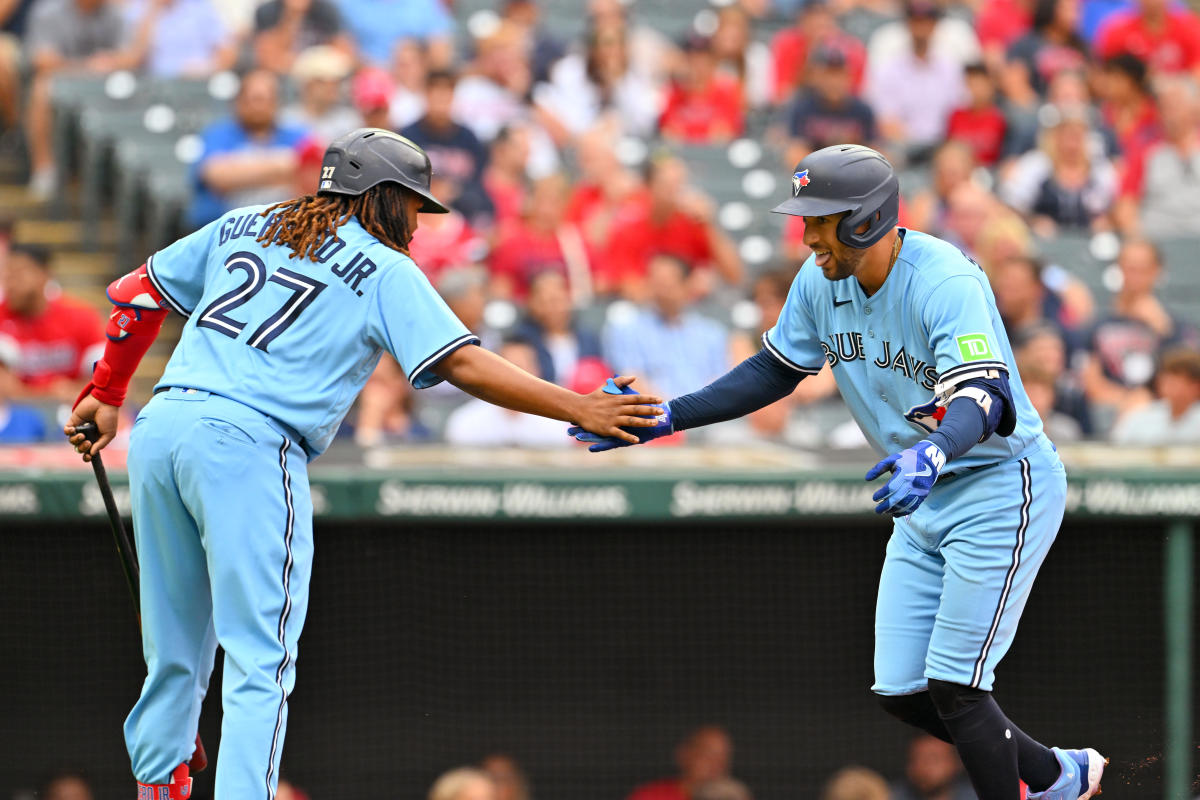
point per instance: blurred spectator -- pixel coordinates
(599, 83)
(19, 424)
(320, 73)
(953, 165)
(371, 94)
(741, 57)
(933, 772)
(545, 48)
(454, 152)
(827, 112)
(1164, 35)
(983, 227)
(722, 789)
(914, 89)
(66, 786)
(1042, 391)
(998, 24)
(650, 52)
(178, 38)
(289, 791)
(59, 337)
(445, 241)
(377, 25)
(70, 37)
(464, 289)
(285, 28)
(702, 106)
(1173, 418)
(1067, 182)
(670, 216)
(1128, 107)
(791, 49)
(1160, 191)
(385, 408)
(598, 199)
(1125, 344)
(1022, 297)
(1042, 349)
(504, 177)
(705, 755)
(541, 240)
(409, 71)
(249, 157)
(950, 38)
(560, 341)
(980, 123)
(855, 783)
(464, 783)
(478, 423)
(490, 93)
(506, 774)
(667, 344)
(776, 422)
(13, 14)
(1052, 46)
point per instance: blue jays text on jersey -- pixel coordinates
(933, 322)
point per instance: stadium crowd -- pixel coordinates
(703, 771)
(581, 240)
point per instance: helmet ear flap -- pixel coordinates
(881, 218)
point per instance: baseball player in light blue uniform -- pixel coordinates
(288, 311)
(909, 325)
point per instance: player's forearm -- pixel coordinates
(753, 384)
(489, 377)
(137, 317)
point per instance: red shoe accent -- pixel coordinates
(180, 787)
(1024, 790)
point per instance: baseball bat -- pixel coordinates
(129, 562)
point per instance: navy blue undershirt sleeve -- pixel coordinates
(965, 424)
(756, 382)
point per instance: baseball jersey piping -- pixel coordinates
(175, 304)
(771, 349)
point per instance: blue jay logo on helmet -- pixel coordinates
(799, 181)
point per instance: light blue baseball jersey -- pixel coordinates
(934, 320)
(293, 338)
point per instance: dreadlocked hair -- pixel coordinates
(305, 223)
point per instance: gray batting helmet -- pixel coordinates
(846, 177)
(370, 156)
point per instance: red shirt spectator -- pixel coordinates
(59, 337)
(538, 242)
(668, 217)
(1128, 107)
(704, 755)
(443, 241)
(1002, 22)
(504, 177)
(790, 50)
(1167, 39)
(981, 125)
(701, 105)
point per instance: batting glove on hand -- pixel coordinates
(914, 472)
(600, 443)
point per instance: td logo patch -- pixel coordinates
(974, 347)
(799, 181)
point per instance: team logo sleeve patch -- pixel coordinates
(974, 347)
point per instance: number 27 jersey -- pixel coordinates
(294, 338)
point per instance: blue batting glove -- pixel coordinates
(914, 471)
(598, 444)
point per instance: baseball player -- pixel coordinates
(288, 308)
(909, 325)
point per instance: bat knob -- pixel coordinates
(89, 431)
